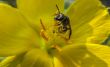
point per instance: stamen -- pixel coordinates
(42, 25)
(56, 47)
(43, 31)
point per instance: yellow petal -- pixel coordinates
(81, 13)
(34, 10)
(16, 35)
(89, 55)
(11, 61)
(65, 60)
(7, 61)
(36, 58)
(57, 63)
(101, 31)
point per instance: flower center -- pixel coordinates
(54, 41)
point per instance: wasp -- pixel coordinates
(63, 23)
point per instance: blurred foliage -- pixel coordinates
(11, 2)
(67, 3)
(106, 2)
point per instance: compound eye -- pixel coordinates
(59, 17)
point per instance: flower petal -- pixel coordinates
(34, 10)
(11, 61)
(36, 58)
(16, 35)
(65, 61)
(81, 13)
(101, 31)
(57, 63)
(87, 55)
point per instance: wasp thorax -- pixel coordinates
(59, 17)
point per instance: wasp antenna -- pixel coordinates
(58, 8)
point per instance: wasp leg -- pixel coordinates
(70, 32)
(60, 29)
(65, 29)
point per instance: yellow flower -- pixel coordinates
(26, 35)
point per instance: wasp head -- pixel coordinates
(59, 17)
